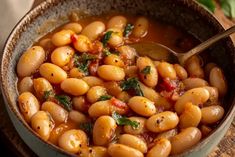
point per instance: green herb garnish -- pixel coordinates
(106, 37)
(146, 70)
(209, 4)
(65, 101)
(228, 7)
(82, 62)
(106, 52)
(87, 127)
(104, 97)
(128, 29)
(132, 83)
(48, 94)
(121, 120)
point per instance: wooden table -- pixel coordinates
(13, 142)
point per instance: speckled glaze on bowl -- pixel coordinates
(185, 14)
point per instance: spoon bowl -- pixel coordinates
(160, 52)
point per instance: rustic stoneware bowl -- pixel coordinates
(185, 14)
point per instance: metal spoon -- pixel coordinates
(161, 52)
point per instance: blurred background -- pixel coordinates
(11, 12)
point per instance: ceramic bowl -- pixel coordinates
(184, 14)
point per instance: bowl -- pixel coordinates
(184, 14)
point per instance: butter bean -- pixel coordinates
(185, 140)
(58, 113)
(93, 30)
(74, 86)
(62, 55)
(120, 150)
(140, 27)
(30, 61)
(162, 121)
(43, 124)
(73, 140)
(133, 142)
(26, 85)
(62, 38)
(28, 105)
(191, 116)
(162, 148)
(52, 73)
(111, 73)
(142, 106)
(103, 130)
(212, 114)
(196, 96)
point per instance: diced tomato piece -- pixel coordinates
(74, 38)
(118, 103)
(168, 85)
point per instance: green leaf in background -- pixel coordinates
(228, 7)
(209, 4)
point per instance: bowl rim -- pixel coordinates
(45, 5)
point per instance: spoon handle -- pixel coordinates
(205, 44)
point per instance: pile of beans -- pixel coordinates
(86, 90)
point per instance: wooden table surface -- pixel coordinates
(13, 142)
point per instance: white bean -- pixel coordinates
(43, 124)
(74, 86)
(162, 148)
(26, 85)
(111, 73)
(28, 104)
(162, 121)
(218, 80)
(142, 106)
(30, 61)
(103, 130)
(73, 140)
(196, 96)
(190, 83)
(118, 22)
(93, 30)
(212, 114)
(140, 27)
(185, 140)
(58, 113)
(120, 150)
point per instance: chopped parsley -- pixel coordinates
(106, 37)
(48, 94)
(209, 4)
(128, 29)
(104, 97)
(132, 83)
(82, 62)
(106, 52)
(121, 120)
(65, 101)
(87, 127)
(146, 70)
